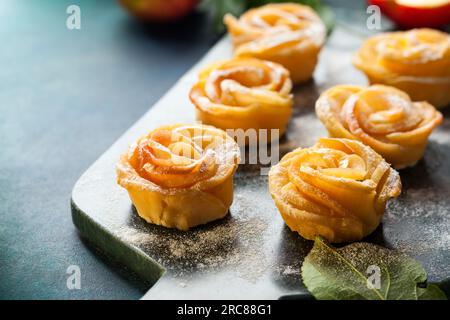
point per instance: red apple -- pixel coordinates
(159, 10)
(416, 13)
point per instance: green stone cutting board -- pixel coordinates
(251, 254)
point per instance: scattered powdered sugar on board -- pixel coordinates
(232, 242)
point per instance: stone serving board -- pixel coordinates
(251, 254)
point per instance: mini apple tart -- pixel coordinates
(336, 189)
(244, 93)
(382, 117)
(416, 61)
(180, 176)
(287, 33)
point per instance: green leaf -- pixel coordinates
(218, 8)
(352, 272)
(431, 292)
(327, 16)
(257, 3)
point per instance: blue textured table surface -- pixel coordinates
(65, 96)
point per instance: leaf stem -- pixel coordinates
(334, 252)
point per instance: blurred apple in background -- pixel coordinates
(159, 10)
(416, 13)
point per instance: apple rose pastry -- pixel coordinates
(382, 117)
(244, 93)
(415, 61)
(287, 33)
(180, 176)
(336, 189)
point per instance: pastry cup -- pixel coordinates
(180, 176)
(336, 189)
(415, 61)
(286, 33)
(381, 117)
(243, 94)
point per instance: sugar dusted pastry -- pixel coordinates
(382, 117)
(180, 176)
(336, 189)
(287, 33)
(244, 93)
(415, 61)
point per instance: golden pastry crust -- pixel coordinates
(180, 176)
(244, 93)
(286, 33)
(336, 189)
(415, 61)
(382, 117)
